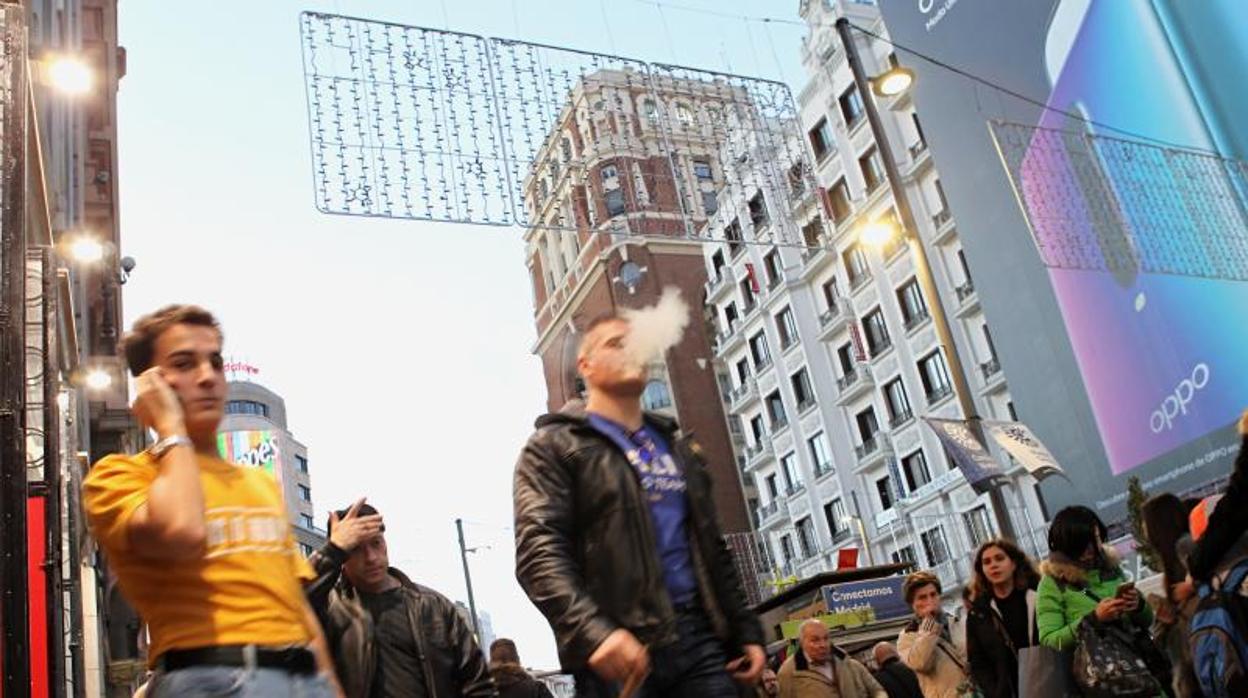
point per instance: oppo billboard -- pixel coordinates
(1104, 218)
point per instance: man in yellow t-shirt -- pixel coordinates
(202, 548)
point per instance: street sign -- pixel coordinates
(876, 599)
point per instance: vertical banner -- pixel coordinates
(1021, 443)
(894, 472)
(855, 335)
(972, 457)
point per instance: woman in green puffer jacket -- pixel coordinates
(1080, 567)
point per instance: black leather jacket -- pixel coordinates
(453, 665)
(585, 544)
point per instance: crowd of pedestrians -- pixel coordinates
(618, 544)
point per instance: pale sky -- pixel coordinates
(402, 348)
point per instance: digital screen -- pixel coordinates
(255, 449)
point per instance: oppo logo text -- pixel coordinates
(1175, 404)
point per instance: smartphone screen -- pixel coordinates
(1161, 354)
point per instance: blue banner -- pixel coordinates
(977, 465)
(880, 598)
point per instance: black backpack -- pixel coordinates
(1219, 636)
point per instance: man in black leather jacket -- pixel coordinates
(389, 636)
(618, 545)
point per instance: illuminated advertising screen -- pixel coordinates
(256, 449)
(1104, 220)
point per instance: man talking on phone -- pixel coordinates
(202, 548)
(618, 545)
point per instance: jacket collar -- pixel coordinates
(405, 582)
(573, 414)
(1068, 571)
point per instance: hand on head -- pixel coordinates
(351, 529)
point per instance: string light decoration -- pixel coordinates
(1106, 204)
(424, 124)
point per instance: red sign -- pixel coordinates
(244, 368)
(855, 334)
(749, 272)
(847, 559)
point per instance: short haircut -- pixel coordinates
(1074, 529)
(594, 323)
(810, 623)
(503, 651)
(139, 344)
(366, 509)
(916, 581)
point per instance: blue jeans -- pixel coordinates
(693, 666)
(238, 682)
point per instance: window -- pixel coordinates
(565, 149)
(305, 493)
(756, 428)
(305, 549)
(934, 546)
(650, 110)
(834, 512)
(821, 139)
(872, 169)
(966, 270)
(702, 170)
(718, 263)
(747, 292)
(801, 389)
(787, 327)
(786, 549)
(730, 315)
(918, 128)
(247, 407)
(772, 490)
(845, 357)
(615, 202)
(856, 265)
(978, 525)
(797, 179)
(306, 521)
(877, 332)
(758, 211)
(792, 479)
(992, 349)
(935, 376)
(838, 202)
(543, 190)
(905, 554)
(656, 396)
(302, 463)
(884, 488)
(775, 410)
(743, 371)
(1009, 408)
(831, 292)
(608, 172)
(758, 349)
(806, 537)
(867, 424)
(819, 453)
(733, 235)
(914, 467)
(710, 202)
(940, 196)
(851, 106)
(812, 233)
(913, 307)
(684, 114)
(771, 265)
(899, 410)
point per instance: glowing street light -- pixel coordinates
(878, 233)
(86, 249)
(70, 75)
(98, 379)
(893, 83)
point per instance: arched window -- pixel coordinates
(656, 396)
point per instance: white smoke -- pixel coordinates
(655, 329)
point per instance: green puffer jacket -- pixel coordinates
(1062, 602)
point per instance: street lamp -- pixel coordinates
(893, 83)
(877, 233)
(69, 75)
(98, 378)
(85, 249)
(923, 266)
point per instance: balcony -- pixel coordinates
(822, 469)
(917, 320)
(770, 513)
(779, 424)
(857, 281)
(834, 320)
(873, 450)
(994, 378)
(900, 418)
(743, 394)
(918, 149)
(938, 394)
(855, 383)
(841, 535)
(720, 283)
(941, 217)
(728, 339)
(812, 255)
(943, 222)
(880, 347)
(968, 299)
(795, 489)
(945, 481)
(805, 405)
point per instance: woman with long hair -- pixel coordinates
(1165, 524)
(1002, 619)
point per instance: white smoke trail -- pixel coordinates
(655, 329)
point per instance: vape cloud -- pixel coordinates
(657, 328)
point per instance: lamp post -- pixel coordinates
(923, 267)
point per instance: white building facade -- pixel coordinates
(828, 355)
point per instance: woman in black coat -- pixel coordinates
(1002, 619)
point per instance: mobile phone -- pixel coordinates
(1160, 365)
(1124, 589)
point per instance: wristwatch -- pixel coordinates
(160, 448)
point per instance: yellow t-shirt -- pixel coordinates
(244, 590)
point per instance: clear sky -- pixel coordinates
(402, 348)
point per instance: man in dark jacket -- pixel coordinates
(510, 677)
(897, 679)
(1229, 520)
(389, 636)
(618, 545)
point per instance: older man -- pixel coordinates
(818, 670)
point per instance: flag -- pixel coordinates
(1022, 444)
(749, 273)
(972, 457)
